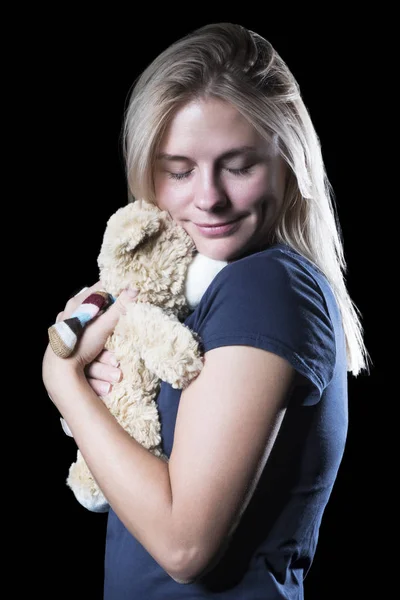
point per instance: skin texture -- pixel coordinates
(212, 168)
(183, 511)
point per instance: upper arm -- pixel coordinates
(227, 420)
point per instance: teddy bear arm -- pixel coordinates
(168, 348)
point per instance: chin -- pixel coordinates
(220, 250)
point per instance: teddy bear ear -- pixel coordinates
(130, 225)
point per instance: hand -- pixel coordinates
(90, 354)
(103, 371)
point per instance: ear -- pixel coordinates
(129, 226)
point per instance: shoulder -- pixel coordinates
(278, 264)
(278, 278)
(275, 300)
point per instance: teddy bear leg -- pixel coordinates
(85, 488)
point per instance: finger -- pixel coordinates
(93, 288)
(74, 302)
(119, 307)
(87, 290)
(80, 291)
(108, 358)
(103, 372)
(60, 315)
(98, 330)
(102, 326)
(100, 387)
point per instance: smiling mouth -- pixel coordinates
(218, 229)
(217, 224)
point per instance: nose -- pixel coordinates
(210, 194)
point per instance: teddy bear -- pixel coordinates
(144, 248)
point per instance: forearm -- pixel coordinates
(135, 482)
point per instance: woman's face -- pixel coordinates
(219, 179)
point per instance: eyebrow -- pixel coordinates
(225, 156)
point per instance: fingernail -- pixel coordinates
(113, 361)
(105, 388)
(116, 375)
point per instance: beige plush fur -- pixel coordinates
(144, 248)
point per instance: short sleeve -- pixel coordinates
(273, 301)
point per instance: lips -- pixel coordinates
(218, 229)
(217, 224)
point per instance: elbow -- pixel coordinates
(185, 566)
(189, 566)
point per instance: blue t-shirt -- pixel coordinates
(278, 301)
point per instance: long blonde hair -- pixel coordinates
(229, 62)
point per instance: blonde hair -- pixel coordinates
(229, 62)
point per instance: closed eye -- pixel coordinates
(179, 176)
(240, 172)
(237, 172)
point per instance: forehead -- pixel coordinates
(209, 126)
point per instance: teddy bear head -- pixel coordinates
(144, 248)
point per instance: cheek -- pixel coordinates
(267, 190)
(161, 193)
(249, 194)
(168, 196)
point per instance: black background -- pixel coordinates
(74, 83)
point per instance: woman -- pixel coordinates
(217, 134)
